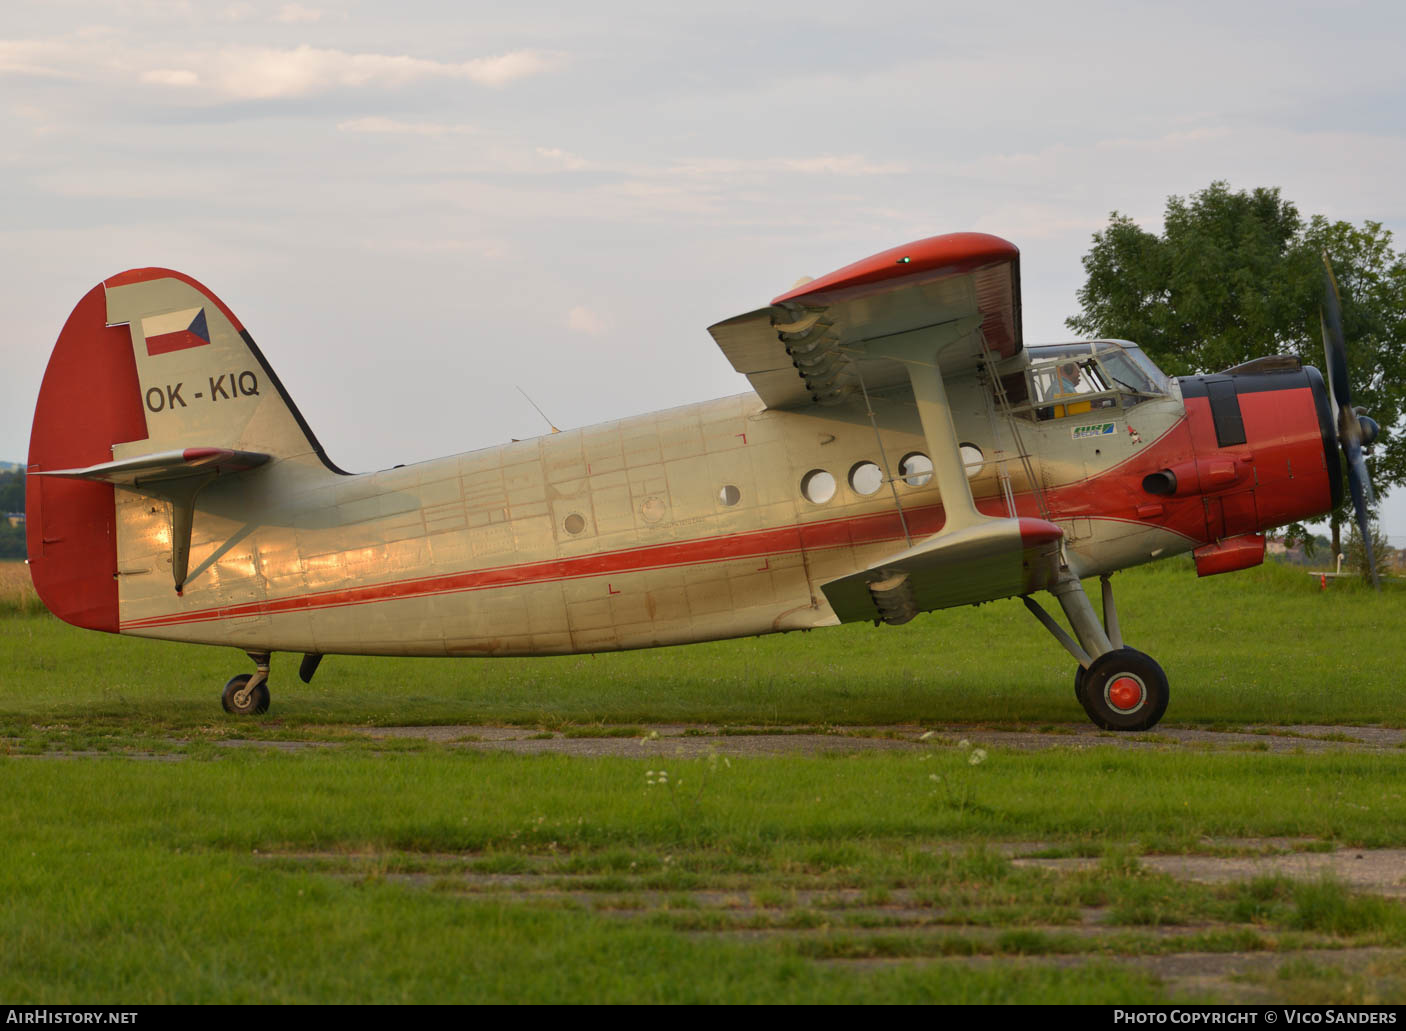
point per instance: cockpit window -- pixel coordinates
(1076, 379)
(1067, 379)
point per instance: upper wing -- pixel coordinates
(806, 346)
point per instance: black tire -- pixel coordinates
(1124, 690)
(1079, 673)
(256, 702)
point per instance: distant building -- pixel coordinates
(15, 518)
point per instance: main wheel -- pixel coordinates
(240, 702)
(1124, 690)
(1079, 673)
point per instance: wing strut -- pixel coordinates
(974, 557)
(919, 351)
(883, 457)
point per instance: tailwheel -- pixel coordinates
(1123, 690)
(243, 699)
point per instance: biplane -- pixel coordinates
(901, 450)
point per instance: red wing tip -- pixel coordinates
(958, 252)
(1038, 531)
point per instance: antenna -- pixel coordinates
(539, 411)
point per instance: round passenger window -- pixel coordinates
(729, 496)
(865, 478)
(916, 469)
(818, 486)
(972, 459)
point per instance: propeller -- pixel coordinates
(1355, 430)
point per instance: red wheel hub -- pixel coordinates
(1125, 693)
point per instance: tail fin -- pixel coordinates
(202, 380)
(149, 363)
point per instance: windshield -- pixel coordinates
(1132, 368)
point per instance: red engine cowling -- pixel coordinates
(1266, 452)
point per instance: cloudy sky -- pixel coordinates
(417, 207)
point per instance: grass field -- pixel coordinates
(17, 597)
(1261, 645)
(156, 850)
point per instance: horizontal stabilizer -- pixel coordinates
(177, 476)
(145, 470)
(996, 558)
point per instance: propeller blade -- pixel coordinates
(1334, 346)
(1354, 429)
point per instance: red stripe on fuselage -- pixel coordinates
(876, 528)
(1113, 494)
(835, 533)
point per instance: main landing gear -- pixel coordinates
(1119, 687)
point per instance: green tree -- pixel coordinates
(1238, 275)
(11, 492)
(11, 540)
(11, 500)
(1382, 553)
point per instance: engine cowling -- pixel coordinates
(1265, 450)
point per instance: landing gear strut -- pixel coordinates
(248, 694)
(1119, 687)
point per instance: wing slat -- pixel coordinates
(922, 284)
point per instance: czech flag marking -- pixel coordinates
(175, 331)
